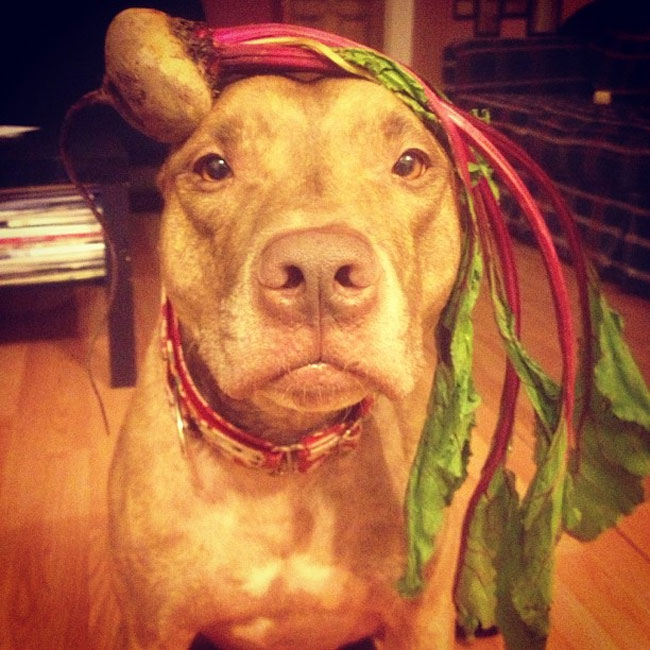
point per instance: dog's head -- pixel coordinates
(309, 241)
(310, 235)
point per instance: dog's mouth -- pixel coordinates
(317, 387)
(296, 450)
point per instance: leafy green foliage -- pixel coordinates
(617, 376)
(392, 76)
(532, 564)
(481, 169)
(476, 590)
(515, 562)
(605, 481)
(507, 575)
(440, 464)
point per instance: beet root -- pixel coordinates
(151, 79)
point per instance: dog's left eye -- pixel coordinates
(212, 167)
(411, 164)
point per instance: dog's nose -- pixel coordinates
(305, 275)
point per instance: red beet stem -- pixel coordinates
(578, 256)
(503, 430)
(549, 255)
(487, 214)
(243, 57)
(234, 35)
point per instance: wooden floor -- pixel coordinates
(54, 456)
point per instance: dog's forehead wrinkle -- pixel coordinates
(399, 127)
(350, 102)
(254, 128)
(229, 131)
(311, 133)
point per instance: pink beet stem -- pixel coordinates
(233, 35)
(488, 214)
(244, 57)
(576, 249)
(549, 255)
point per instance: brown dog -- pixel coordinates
(309, 240)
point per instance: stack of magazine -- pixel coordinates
(49, 234)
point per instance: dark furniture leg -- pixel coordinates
(120, 318)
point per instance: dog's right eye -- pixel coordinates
(411, 164)
(212, 167)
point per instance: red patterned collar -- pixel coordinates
(194, 415)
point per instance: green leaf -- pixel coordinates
(440, 464)
(396, 79)
(541, 518)
(617, 376)
(481, 168)
(391, 74)
(542, 391)
(608, 466)
(482, 114)
(598, 492)
(524, 558)
(475, 595)
(524, 561)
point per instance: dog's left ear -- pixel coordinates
(150, 78)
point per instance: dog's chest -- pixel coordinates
(300, 564)
(299, 596)
(261, 560)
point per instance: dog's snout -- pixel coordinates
(307, 274)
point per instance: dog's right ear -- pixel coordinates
(151, 79)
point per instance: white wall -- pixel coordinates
(398, 30)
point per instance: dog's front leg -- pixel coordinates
(428, 621)
(427, 630)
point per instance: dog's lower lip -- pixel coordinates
(319, 385)
(320, 371)
(317, 373)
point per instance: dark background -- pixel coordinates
(51, 53)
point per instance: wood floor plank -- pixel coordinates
(636, 529)
(611, 582)
(43, 586)
(12, 362)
